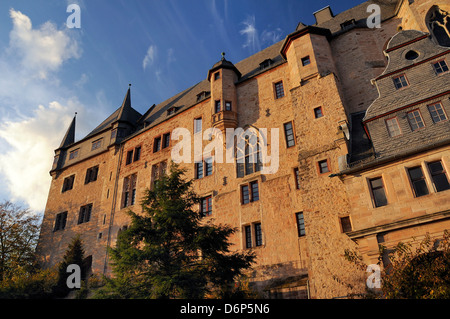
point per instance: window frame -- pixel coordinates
(321, 112)
(433, 174)
(85, 213)
(68, 183)
(443, 111)
(97, 144)
(91, 174)
(74, 154)
(297, 177)
(346, 224)
(286, 135)
(250, 192)
(306, 60)
(415, 181)
(279, 90)
(301, 229)
(60, 221)
(372, 189)
(440, 66)
(157, 144)
(401, 82)
(217, 106)
(319, 168)
(398, 126)
(198, 120)
(415, 118)
(207, 201)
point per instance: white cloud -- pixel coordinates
(149, 57)
(41, 50)
(26, 163)
(35, 108)
(271, 36)
(251, 33)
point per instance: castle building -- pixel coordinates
(356, 115)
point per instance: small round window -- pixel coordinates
(411, 55)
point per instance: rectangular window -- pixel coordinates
(166, 140)
(96, 144)
(323, 167)
(255, 191)
(440, 67)
(206, 206)
(199, 170)
(216, 75)
(217, 107)
(91, 175)
(297, 178)
(197, 125)
(227, 106)
(306, 60)
(85, 214)
(437, 112)
(279, 90)
(393, 127)
(158, 170)
(73, 154)
(157, 144)
(60, 221)
(129, 157)
(318, 112)
(418, 182)
(346, 225)
(129, 191)
(113, 134)
(289, 134)
(258, 234)
(137, 154)
(378, 194)
(415, 120)
(400, 81)
(248, 236)
(300, 224)
(245, 194)
(208, 167)
(438, 176)
(68, 183)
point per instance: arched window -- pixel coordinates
(438, 22)
(248, 153)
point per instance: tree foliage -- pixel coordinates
(413, 271)
(169, 251)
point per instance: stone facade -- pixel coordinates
(325, 89)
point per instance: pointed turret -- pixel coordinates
(69, 138)
(125, 109)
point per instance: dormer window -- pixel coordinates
(171, 110)
(440, 67)
(265, 64)
(400, 81)
(348, 24)
(203, 95)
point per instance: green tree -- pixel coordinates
(168, 251)
(74, 255)
(19, 232)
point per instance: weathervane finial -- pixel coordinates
(223, 55)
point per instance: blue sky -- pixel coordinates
(48, 71)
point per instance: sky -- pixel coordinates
(50, 67)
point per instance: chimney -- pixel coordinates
(323, 15)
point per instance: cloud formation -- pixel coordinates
(251, 34)
(149, 57)
(40, 50)
(33, 124)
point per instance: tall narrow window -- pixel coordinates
(158, 170)
(248, 236)
(437, 112)
(129, 157)
(418, 182)
(199, 170)
(318, 112)
(217, 107)
(300, 224)
(129, 191)
(415, 120)
(157, 144)
(255, 191)
(245, 194)
(258, 234)
(227, 106)
(248, 159)
(400, 81)
(137, 154)
(378, 194)
(289, 134)
(438, 176)
(197, 125)
(85, 214)
(206, 206)
(208, 167)
(279, 90)
(60, 221)
(297, 178)
(393, 127)
(166, 140)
